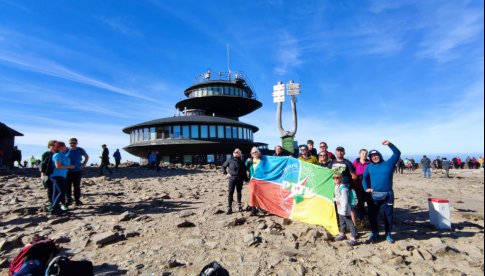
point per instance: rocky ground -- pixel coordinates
(138, 222)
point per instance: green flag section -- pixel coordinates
(290, 188)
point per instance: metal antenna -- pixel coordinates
(228, 63)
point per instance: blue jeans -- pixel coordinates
(58, 192)
(427, 171)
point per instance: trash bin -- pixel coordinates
(439, 213)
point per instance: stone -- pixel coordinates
(186, 213)
(105, 238)
(443, 249)
(126, 216)
(175, 263)
(3, 243)
(302, 270)
(62, 239)
(426, 255)
(185, 224)
(286, 221)
(3, 263)
(291, 252)
(397, 261)
(131, 234)
(376, 260)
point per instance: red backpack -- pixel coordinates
(40, 249)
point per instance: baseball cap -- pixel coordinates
(340, 148)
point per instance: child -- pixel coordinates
(343, 210)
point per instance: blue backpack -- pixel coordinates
(352, 196)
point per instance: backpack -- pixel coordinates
(62, 266)
(214, 269)
(33, 258)
(352, 196)
(47, 166)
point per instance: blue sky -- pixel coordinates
(410, 71)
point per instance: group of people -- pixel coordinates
(370, 176)
(61, 170)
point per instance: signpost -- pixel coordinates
(292, 90)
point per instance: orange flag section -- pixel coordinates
(270, 197)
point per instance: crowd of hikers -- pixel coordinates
(368, 180)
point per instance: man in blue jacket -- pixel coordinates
(380, 174)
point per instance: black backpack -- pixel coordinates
(47, 166)
(62, 266)
(214, 269)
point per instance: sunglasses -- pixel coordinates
(336, 177)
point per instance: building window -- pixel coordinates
(185, 132)
(187, 158)
(231, 91)
(240, 135)
(220, 132)
(177, 132)
(212, 131)
(226, 90)
(234, 132)
(204, 131)
(228, 132)
(251, 135)
(153, 134)
(204, 92)
(194, 131)
(210, 158)
(210, 91)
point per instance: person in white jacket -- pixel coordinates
(343, 210)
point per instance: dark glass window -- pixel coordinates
(204, 131)
(226, 90)
(213, 132)
(220, 132)
(231, 91)
(240, 135)
(194, 131)
(234, 132)
(177, 132)
(185, 132)
(228, 132)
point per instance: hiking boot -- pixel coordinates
(389, 239)
(240, 208)
(229, 211)
(340, 237)
(64, 207)
(352, 242)
(373, 237)
(78, 203)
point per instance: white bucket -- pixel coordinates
(439, 213)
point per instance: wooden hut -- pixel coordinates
(7, 142)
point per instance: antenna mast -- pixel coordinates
(228, 63)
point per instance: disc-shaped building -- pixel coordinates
(207, 128)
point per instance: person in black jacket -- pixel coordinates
(237, 175)
(104, 161)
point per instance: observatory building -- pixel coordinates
(207, 128)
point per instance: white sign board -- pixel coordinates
(293, 89)
(278, 93)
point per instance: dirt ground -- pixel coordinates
(139, 222)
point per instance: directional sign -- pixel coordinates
(279, 93)
(293, 88)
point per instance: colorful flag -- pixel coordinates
(290, 188)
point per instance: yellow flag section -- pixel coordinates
(290, 188)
